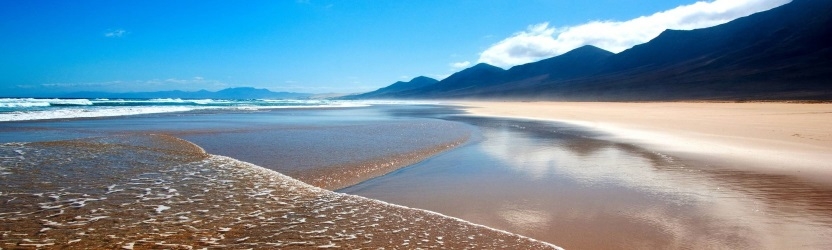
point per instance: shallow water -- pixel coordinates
(161, 192)
(23, 109)
(561, 184)
(329, 148)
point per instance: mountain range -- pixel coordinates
(781, 54)
(229, 93)
(415, 83)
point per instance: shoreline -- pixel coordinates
(195, 199)
(348, 174)
(781, 138)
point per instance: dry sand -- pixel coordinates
(784, 138)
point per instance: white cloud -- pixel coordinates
(540, 41)
(460, 65)
(115, 33)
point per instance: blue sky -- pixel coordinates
(312, 46)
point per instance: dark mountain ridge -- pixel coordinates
(783, 53)
(482, 74)
(578, 62)
(400, 86)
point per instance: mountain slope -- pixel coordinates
(478, 75)
(471, 81)
(415, 83)
(783, 53)
(578, 62)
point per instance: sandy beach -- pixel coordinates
(782, 138)
(628, 174)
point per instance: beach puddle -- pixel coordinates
(156, 191)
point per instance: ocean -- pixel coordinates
(22, 109)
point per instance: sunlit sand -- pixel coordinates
(785, 138)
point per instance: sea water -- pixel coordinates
(21, 109)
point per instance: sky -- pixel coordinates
(312, 46)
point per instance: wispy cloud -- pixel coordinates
(116, 33)
(460, 65)
(541, 41)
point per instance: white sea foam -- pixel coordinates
(91, 112)
(161, 208)
(22, 104)
(23, 109)
(208, 101)
(296, 183)
(79, 102)
(176, 100)
(35, 102)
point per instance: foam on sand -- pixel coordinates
(161, 192)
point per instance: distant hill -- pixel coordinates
(415, 83)
(783, 53)
(229, 93)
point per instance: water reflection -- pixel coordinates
(562, 184)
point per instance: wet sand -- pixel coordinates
(157, 191)
(584, 188)
(780, 138)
